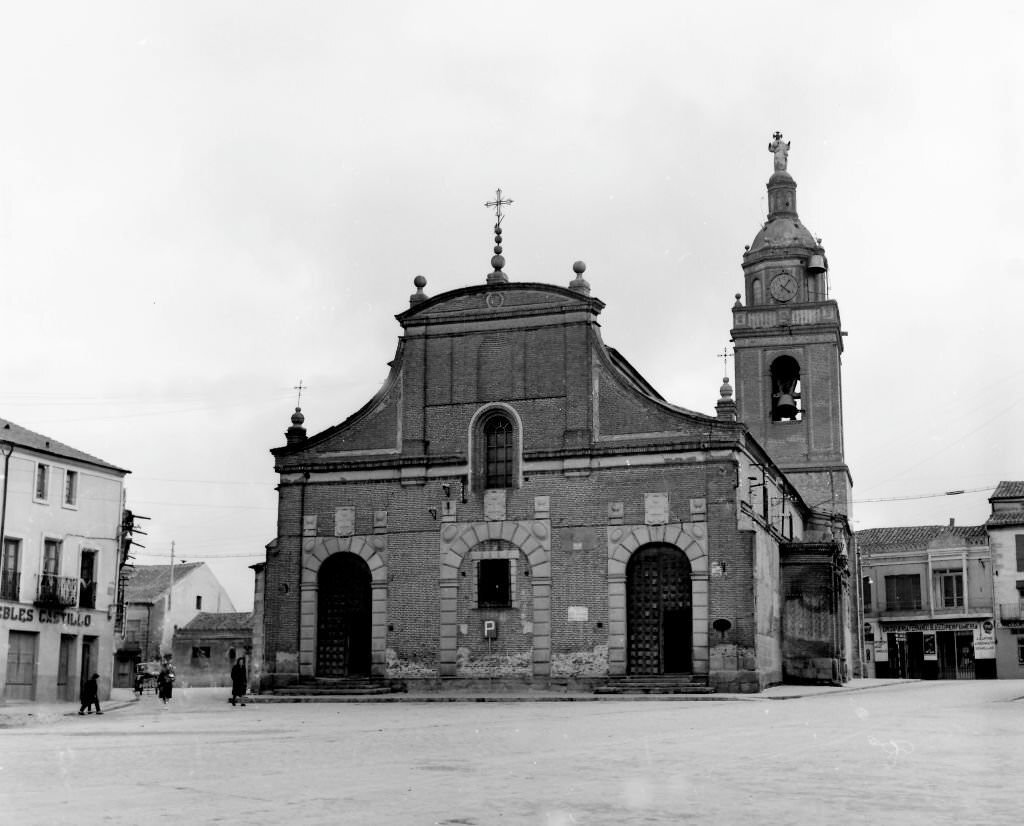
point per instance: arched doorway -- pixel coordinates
(659, 611)
(343, 617)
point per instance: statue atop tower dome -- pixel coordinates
(780, 149)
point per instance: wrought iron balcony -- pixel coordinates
(10, 585)
(56, 591)
(1011, 611)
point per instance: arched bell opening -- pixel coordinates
(344, 617)
(786, 392)
(659, 611)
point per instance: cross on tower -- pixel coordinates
(497, 203)
(725, 356)
(300, 387)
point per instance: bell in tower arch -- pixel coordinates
(785, 372)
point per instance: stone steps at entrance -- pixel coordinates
(656, 684)
(342, 686)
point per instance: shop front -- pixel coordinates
(46, 652)
(933, 649)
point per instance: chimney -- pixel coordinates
(952, 522)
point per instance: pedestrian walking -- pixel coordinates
(90, 695)
(165, 682)
(238, 681)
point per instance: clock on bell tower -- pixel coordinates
(788, 348)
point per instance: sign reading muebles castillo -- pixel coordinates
(15, 613)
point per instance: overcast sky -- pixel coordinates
(202, 203)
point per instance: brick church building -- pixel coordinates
(518, 503)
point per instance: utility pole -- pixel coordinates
(170, 592)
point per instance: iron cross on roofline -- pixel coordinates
(497, 204)
(300, 387)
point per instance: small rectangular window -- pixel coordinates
(1020, 551)
(201, 652)
(951, 590)
(42, 481)
(903, 592)
(867, 593)
(199, 603)
(493, 583)
(1020, 650)
(10, 570)
(51, 557)
(71, 487)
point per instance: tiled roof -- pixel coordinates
(1008, 490)
(1003, 518)
(208, 621)
(918, 537)
(22, 437)
(151, 581)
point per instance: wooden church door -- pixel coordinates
(343, 617)
(659, 613)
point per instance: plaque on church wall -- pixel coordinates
(494, 505)
(380, 521)
(309, 525)
(615, 512)
(579, 613)
(698, 510)
(447, 510)
(344, 521)
(541, 507)
(656, 508)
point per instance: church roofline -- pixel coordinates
(412, 315)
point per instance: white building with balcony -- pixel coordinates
(60, 515)
(1006, 537)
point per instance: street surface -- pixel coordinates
(929, 753)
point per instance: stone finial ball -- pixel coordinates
(579, 268)
(419, 282)
(498, 261)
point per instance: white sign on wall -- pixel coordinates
(579, 613)
(985, 641)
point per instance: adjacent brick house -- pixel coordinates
(209, 645)
(518, 503)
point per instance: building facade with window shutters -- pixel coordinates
(518, 503)
(60, 515)
(927, 602)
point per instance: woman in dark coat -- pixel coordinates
(165, 682)
(91, 695)
(238, 681)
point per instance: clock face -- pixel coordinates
(784, 287)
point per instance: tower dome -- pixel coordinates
(785, 262)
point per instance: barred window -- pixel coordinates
(499, 438)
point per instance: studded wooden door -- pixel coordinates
(343, 617)
(659, 611)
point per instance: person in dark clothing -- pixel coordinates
(91, 695)
(165, 682)
(238, 681)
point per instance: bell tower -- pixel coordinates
(788, 347)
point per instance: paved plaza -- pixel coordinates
(907, 753)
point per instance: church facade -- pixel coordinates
(518, 503)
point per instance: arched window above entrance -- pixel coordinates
(497, 448)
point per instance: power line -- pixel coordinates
(924, 495)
